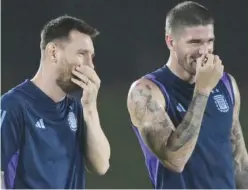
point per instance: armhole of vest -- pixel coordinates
(228, 84)
(152, 78)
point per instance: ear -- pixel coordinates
(51, 52)
(169, 41)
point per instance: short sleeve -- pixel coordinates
(11, 132)
(81, 126)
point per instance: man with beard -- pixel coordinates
(48, 138)
(186, 114)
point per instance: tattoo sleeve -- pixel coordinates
(240, 156)
(2, 183)
(182, 142)
(172, 147)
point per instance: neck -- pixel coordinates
(179, 71)
(46, 81)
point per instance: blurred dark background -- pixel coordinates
(131, 44)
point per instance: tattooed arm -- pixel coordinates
(239, 150)
(2, 178)
(146, 106)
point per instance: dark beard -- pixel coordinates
(188, 67)
(64, 79)
(67, 86)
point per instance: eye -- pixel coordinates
(211, 41)
(195, 41)
(82, 53)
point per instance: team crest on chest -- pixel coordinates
(72, 121)
(221, 103)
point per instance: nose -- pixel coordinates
(89, 62)
(203, 50)
(206, 48)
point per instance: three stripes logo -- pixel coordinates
(180, 108)
(3, 114)
(40, 124)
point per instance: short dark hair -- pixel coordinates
(187, 13)
(60, 27)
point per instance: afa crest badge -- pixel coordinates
(72, 121)
(221, 103)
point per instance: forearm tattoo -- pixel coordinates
(189, 128)
(157, 128)
(239, 155)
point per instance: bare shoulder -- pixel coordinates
(235, 90)
(144, 96)
(233, 81)
(142, 88)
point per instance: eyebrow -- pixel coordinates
(84, 51)
(200, 40)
